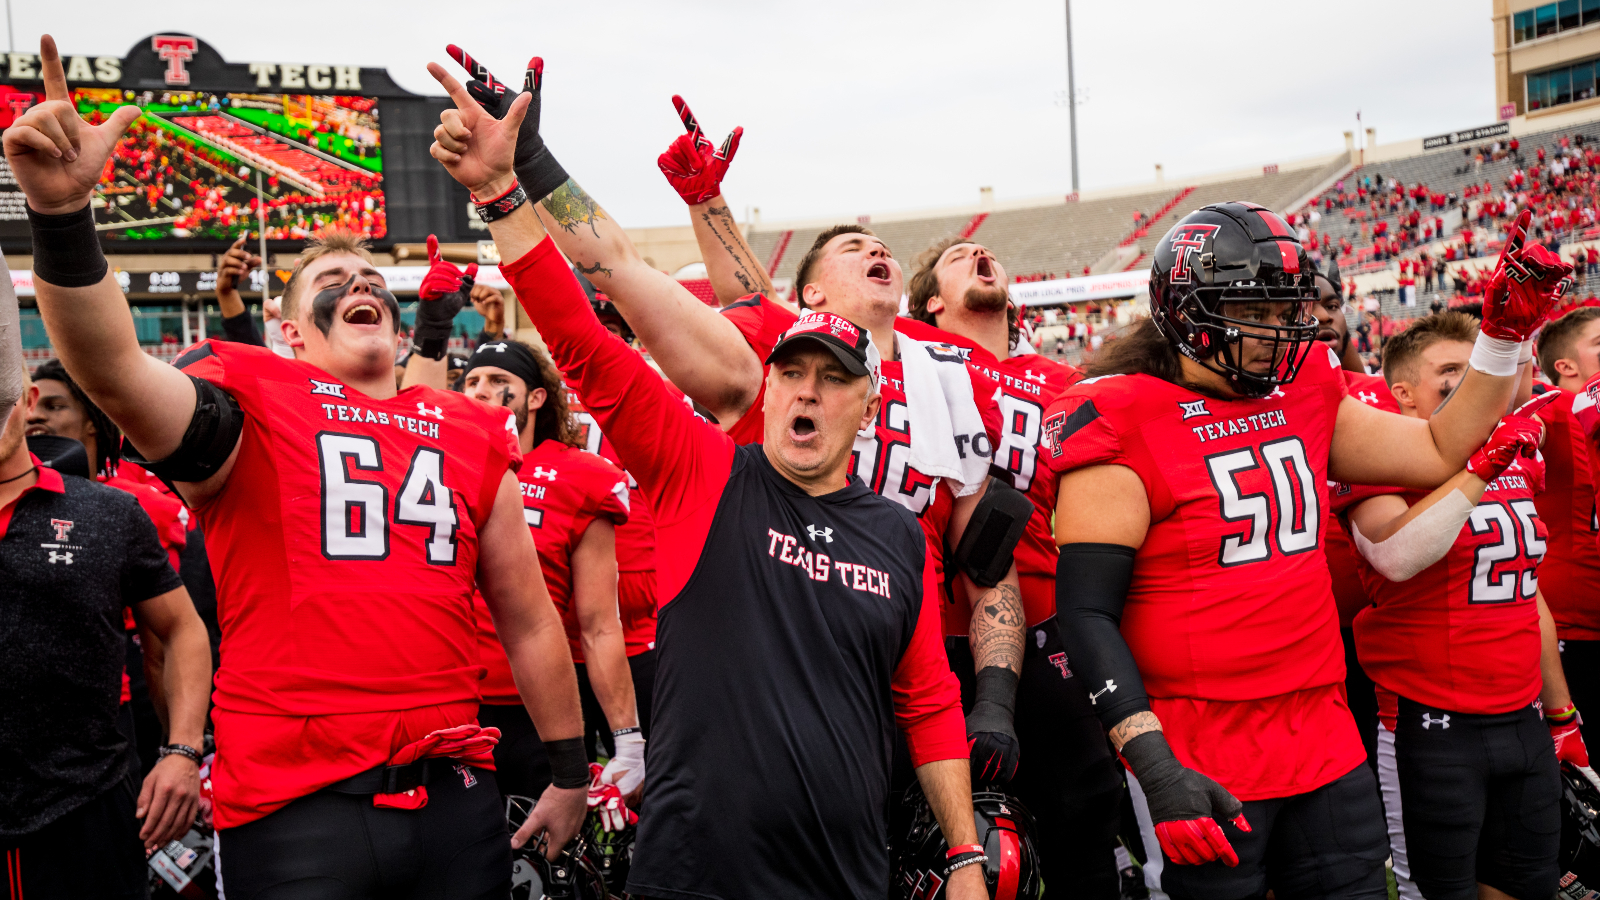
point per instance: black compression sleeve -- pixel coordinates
(1091, 587)
(66, 249)
(241, 329)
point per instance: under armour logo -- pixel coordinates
(1110, 688)
(1034, 376)
(331, 388)
(1368, 397)
(423, 410)
(62, 527)
(541, 472)
(1277, 392)
(60, 557)
(824, 533)
(1443, 721)
(1059, 660)
(1193, 408)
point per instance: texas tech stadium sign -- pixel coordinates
(164, 61)
(223, 149)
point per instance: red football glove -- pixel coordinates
(443, 276)
(1528, 282)
(692, 166)
(606, 800)
(1515, 436)
(1570, 748)
(1184, 804)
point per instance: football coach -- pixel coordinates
(794, 634)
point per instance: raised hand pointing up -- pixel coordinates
(55, 155)
(693, 165)
(475, 147)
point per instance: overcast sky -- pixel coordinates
(869, 107)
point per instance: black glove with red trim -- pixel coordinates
(991, 736)
(537, 170)
(1185, 805)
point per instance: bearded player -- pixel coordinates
(1192, 592)
(938, 471)
(1069, 782)
(349, 524)
(1569, 355)
(574, 502)
(1461, 645)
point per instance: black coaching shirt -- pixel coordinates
(793, 640)
(73, 553)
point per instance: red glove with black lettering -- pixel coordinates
(1185, 805)
(1528, 282)
(1518, 434)
(1570, 748)
(443, 292)
(692, 165)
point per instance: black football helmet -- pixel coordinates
(1580, 833)
(1227, 254)
(1004, 829)
(570, 876)
(603, 308)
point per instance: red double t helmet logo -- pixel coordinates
(1187, 239)
(175, 50)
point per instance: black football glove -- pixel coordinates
(1185, 806)
(536, 169)
(991, 737)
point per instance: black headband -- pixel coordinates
(512, 356)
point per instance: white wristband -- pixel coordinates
(1493, 356)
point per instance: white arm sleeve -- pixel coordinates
(1419, 543)
(10, 342)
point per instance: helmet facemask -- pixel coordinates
(1211, 324)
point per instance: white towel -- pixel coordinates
(948, 439)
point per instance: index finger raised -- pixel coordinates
(55, 77)
(454, 88)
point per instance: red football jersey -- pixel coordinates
(884, 464)
(1463, 634)
(637, 590)
(345, 545)
(1028, 384)
(1230, 615)
(563, 492)
(1349, 594)
(1570, 574)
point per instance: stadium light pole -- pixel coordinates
(261, 230)
(1072, 100)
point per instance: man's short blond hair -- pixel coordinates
(328, 243)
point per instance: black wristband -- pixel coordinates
(502, 206)
(569, 762)
(66, 249)
(994, 701)
(632, 729)
(431, 348)
(541, 174)
(183, 750)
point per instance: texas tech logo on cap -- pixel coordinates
(838, 326)
(175, 50)
(1187, 239)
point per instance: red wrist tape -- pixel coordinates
(964, 848)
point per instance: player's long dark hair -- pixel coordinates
(1141, 350)
(553, 420)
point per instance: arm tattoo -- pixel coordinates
(997, 628)
(1132, 727)
(571, 206)
(748, 280)
(590, 270)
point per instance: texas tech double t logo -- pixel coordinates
(1187, 239)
